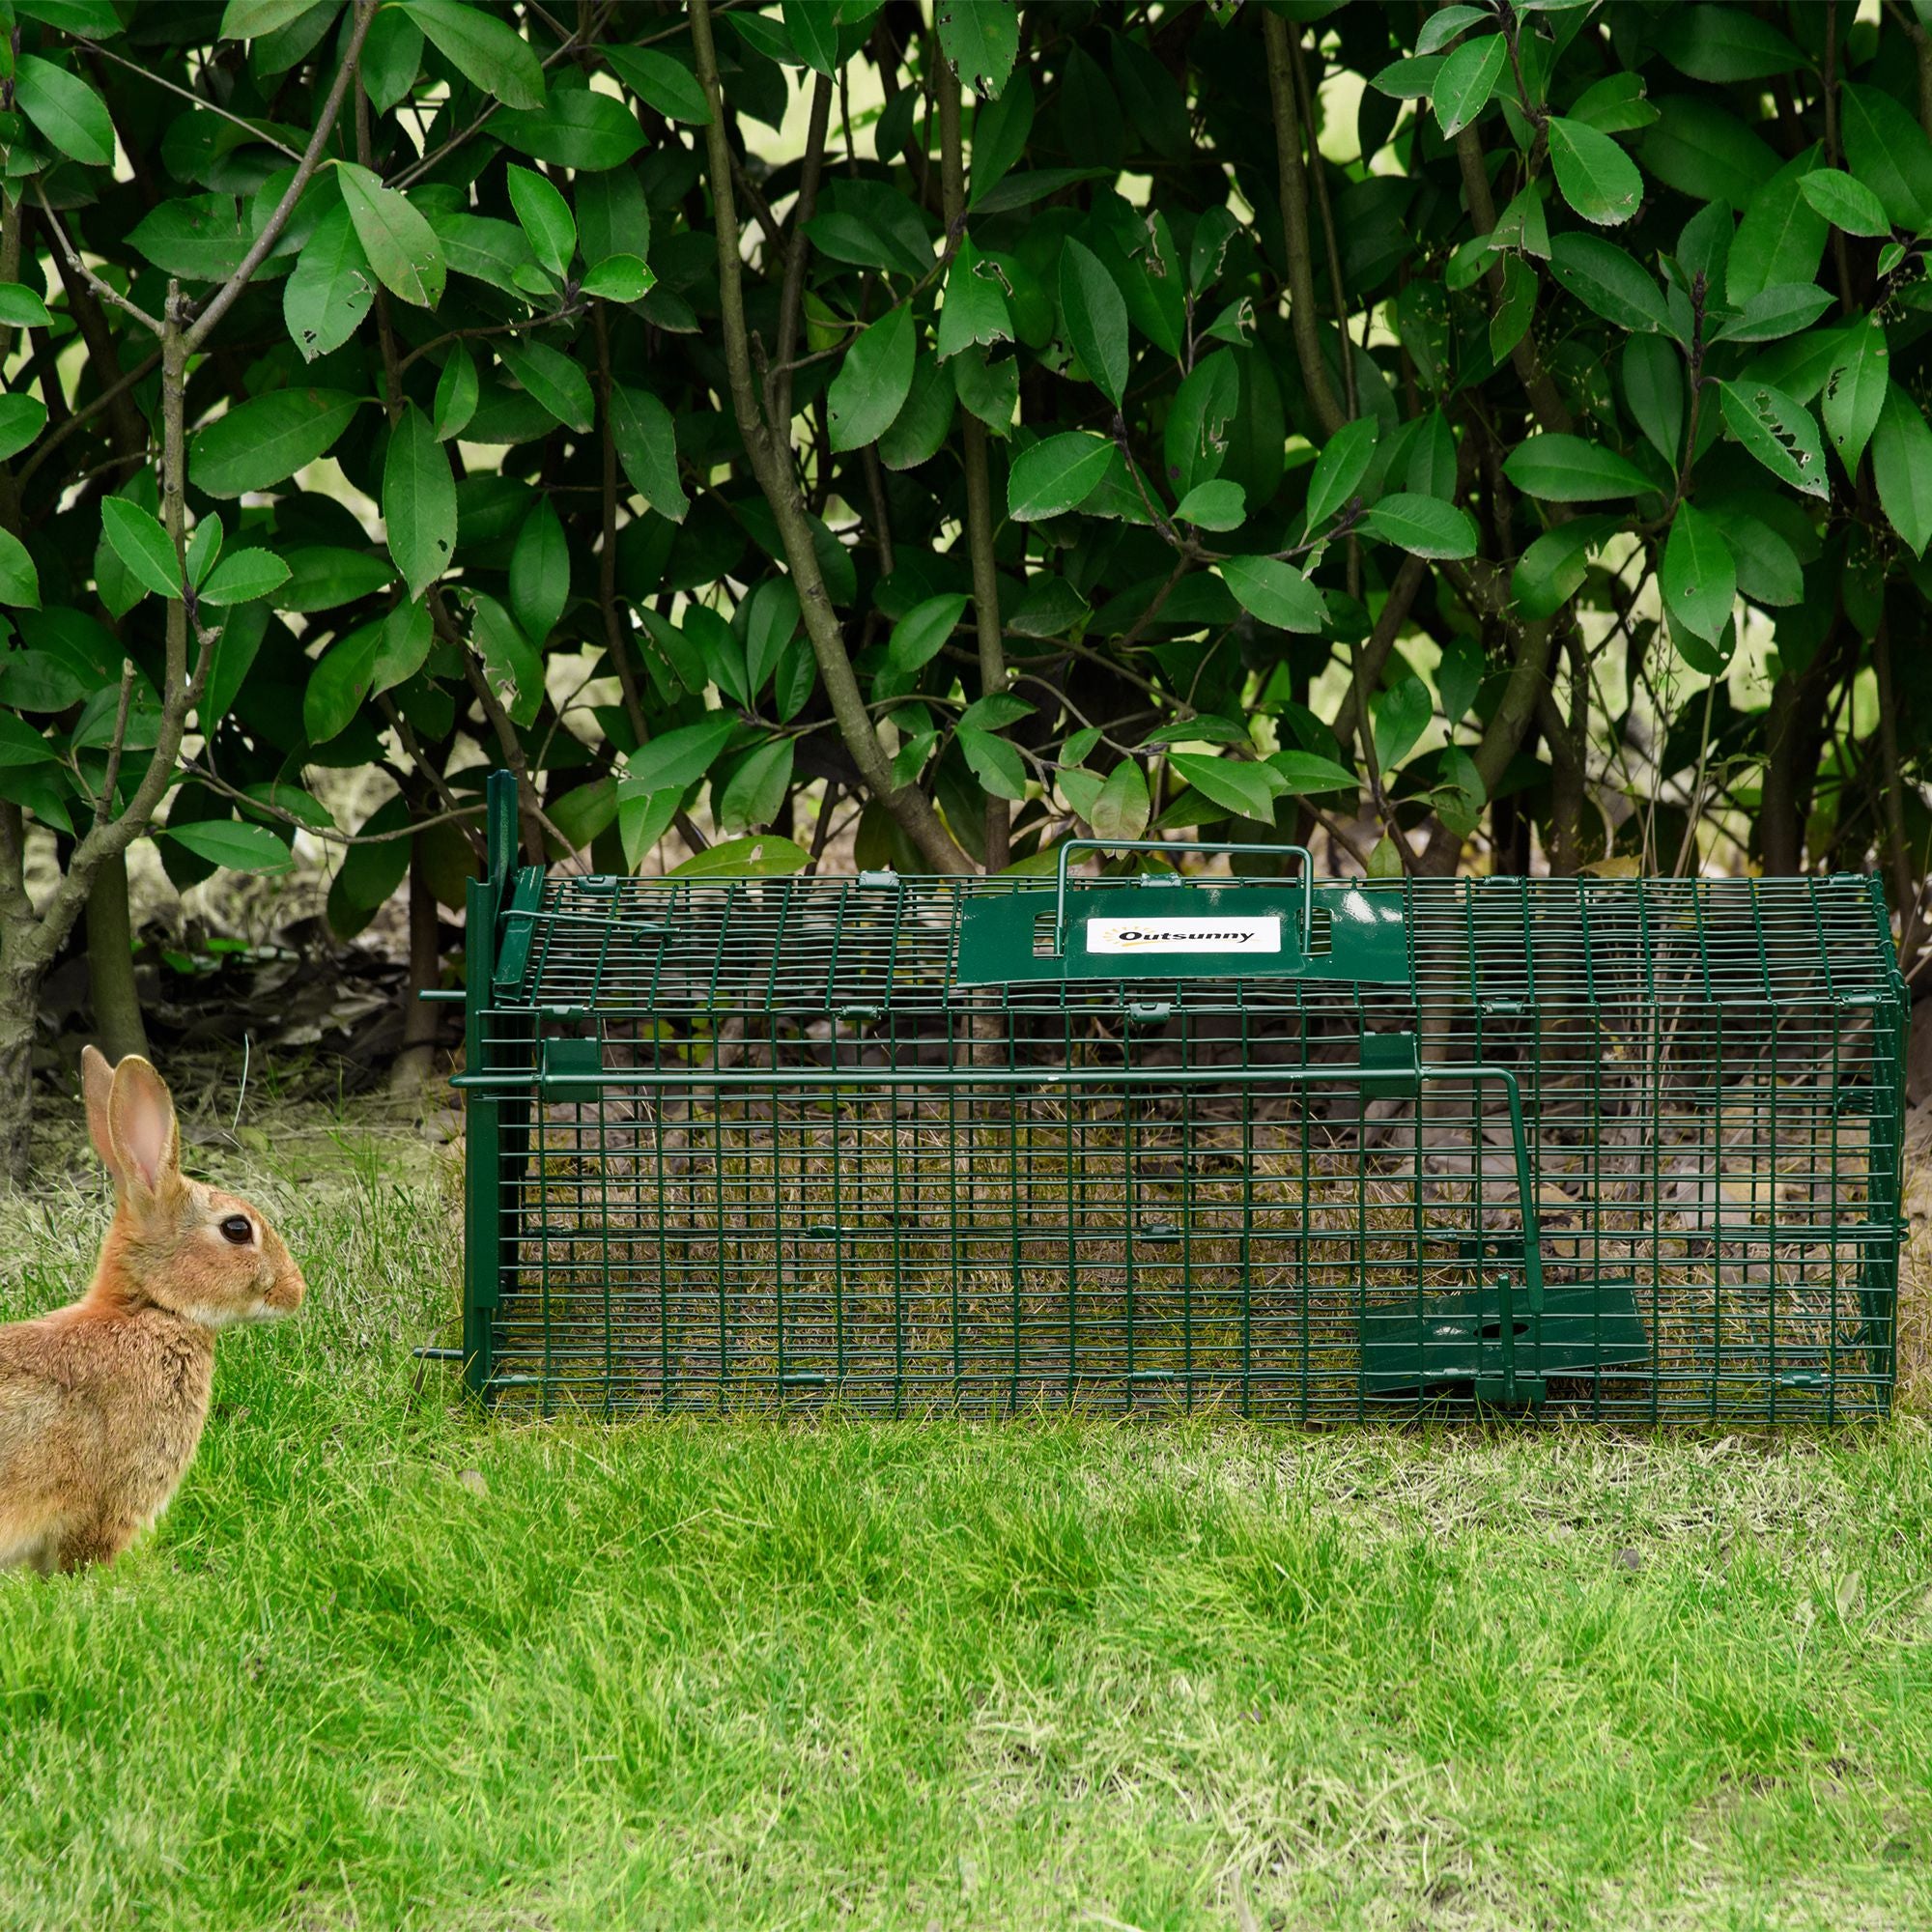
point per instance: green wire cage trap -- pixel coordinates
(1293, 1150)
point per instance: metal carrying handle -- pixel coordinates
(1075, 845)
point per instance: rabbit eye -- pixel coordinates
(238, 1229)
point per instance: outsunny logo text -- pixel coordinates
(1113, 936)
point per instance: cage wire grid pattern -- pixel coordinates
(750, 1143)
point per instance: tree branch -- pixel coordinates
(227, 295)
(771, 465)
(979, 489)
(1302, 315)
(1551, 412)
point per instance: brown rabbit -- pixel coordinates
(102, 1404)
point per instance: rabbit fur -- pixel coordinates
(101, 1402)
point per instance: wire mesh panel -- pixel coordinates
(1616, 1148)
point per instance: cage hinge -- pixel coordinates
(1149, 1013)
(878, 878)
(860, 1015)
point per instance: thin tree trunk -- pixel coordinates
(110, 963)
(415, 1061)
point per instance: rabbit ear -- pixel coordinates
(141, 1126)
(97, 1082)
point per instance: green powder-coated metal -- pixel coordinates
(1300, 1151)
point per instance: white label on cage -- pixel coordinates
(1184, 935)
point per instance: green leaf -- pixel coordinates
(1614, 105)
(1000, 130)
(19, 581)
(511, 665)
(918, 432)
(1552, 569)
(22, 417)
(1706, 153)
(484, 49)
(242, 576)
(771, 622)
(1423, 525)
(553, 380)
(325, 299)
(1779, 431)
(1610, 281)
(996, 711)
(256, 20)
(324, 577)
(643, 818)
(1777, 311)
(975, 310)
(763, 857)
(1516, 307)
(204, 546)
(408, 633)
(1902, 468)
(1339, 470)
(619, 279)
(1888, 152)
(1568, 470)
(1781, 238)
(662, 82)
(1121, 806)
(339, 683)
(1845, 202)
(920, 635)
(546, 219)
(456, 393)
(755, 794)
(874, 380)
(1247, 790)
(1402, 714)
(994, 762)
(1855, 389)
(21, 308)
(419, 501)
(1443, 25)
(1302, 773)
(814, 28)
(232, 843)
(1596, 177)
(1698, 578)
(142, 545)
(575, 127)
(646, 441)
(485, 249)
(391, 58)
(1464, 82)
(201, 237)
(1768, 569)
(21, 744)
(1654, 388)
(980, 39)
(682, 756)
(1409, 79)
(539, 573)
(1096, 314)
(1275, 592)
(400, 245)
(1725, 43)
(66, 110)
(1218, 505)
(1055, 475)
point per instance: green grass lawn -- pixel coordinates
(383, 1665)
